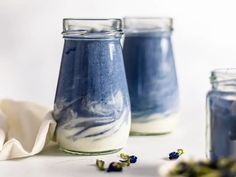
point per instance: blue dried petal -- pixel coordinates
(173, 155)
(115, 167)
(133, 159)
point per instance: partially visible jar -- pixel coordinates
(221, 115)
(92, 107)
(151, 75)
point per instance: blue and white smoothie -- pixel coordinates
(152, 81)
(221, 106)
(92, 107)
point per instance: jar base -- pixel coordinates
(157, 126)
(83, 153)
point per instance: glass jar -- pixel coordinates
(92, 107)
(221, 115)
(151, 75)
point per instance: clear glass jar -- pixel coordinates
(151, 75)
(221, 115)
(92, 107)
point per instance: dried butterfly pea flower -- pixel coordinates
(115, 167)
(133, 159)
(175, 155)
(100, 165)
(128, 159)
(180, 151)
(124, 156)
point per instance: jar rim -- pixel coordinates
(148, 24)
(223, 74)
(92, 27)
(148, 17)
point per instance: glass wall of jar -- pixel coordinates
(221, 115)
(92, 107)
(151, 75)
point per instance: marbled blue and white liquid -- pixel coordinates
(92, 107)
(222, 125)
(152, 81)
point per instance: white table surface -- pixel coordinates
(152, 151)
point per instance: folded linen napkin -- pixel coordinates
(25, 128)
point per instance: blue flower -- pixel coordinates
(115, 167)
(173, 155)
(133, 159)
(128, 159)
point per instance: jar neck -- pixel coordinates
(224, 80)
(92, 29)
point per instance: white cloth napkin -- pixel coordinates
(25, 128)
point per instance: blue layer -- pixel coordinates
(223, 125)
(151, 74)
(92, 89)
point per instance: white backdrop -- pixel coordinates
(31, 45)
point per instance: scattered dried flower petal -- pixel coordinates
(133, 159)
(100, 165)
(124, 156)
(115, 167)
(125, 163)
(180, 151)
(175, 155)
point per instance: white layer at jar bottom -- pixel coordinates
(157, 125)
(117, 140)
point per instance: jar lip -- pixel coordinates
(92, 19)
(148, 24)
(224, 71)
(148, 17)
(222, 74)
(92, 27)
